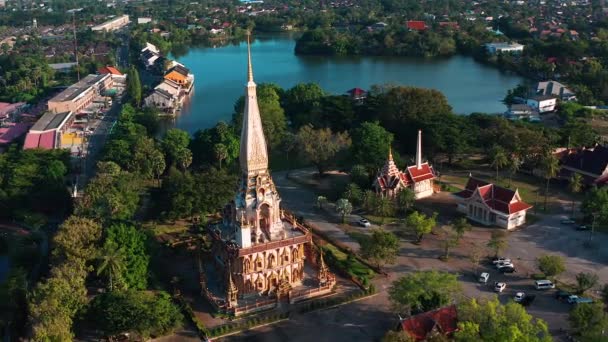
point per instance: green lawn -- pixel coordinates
(351, 266)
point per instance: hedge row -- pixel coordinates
(250, 323)
(201, 329)
(329, 302)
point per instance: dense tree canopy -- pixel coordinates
(131, 243)
(143, 313)
(204, 142)
(488, 320)
(320, 146)
(371, 143)
(423, 291)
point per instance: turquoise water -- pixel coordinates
(220, 76)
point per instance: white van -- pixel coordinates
(544, 284)
(483, 278)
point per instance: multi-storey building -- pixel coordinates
(81, 94)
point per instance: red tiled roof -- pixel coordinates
(44, 140)
(109, 70)
(419, 326)
(417, 25)
(418, 175)
(356, 91)
(494, 196)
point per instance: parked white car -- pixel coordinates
(499, 287)
(364, 223)
(483, 278)
(497, 260)
(504, 264)
(519, 296)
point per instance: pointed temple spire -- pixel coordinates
(253, 155)
(390, 152)
(419, 151)
(249, 66)
(231, 289)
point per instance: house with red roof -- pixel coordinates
(419, 178)
(421, 327)
(416, 25)
(492, 205)
(357, 94)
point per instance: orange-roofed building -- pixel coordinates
(109, 70)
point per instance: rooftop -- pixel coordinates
(78, 88)
(50, 121)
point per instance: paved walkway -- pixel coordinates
(302, 201)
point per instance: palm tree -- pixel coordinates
(575, 185)
(111, 264)
(514, 166)
(550, 167)
(498, 158)
(221, 152)
(343, 207)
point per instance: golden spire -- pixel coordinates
(249, 67)
(390, 152)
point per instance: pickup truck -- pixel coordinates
(578, 300)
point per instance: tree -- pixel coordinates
(174, 143)
(321, 201)
(371, 143)
(131, 244)
(343, 207)
(397, 336)
(221, 153)
(450, 240)
(381, 248)
(405, 199)
(461, 226)
(575, 185)
(551, 265)
(183, 159)
(134, 86)
(475, 255)
(76, 238)
(111, 197)
(359, 176)
(300, 100)
(353, 193)
(595, 204)
(385, 207)
(320, 146)
(423, 291)
(111, 265)
(204, 141)
(489, 320)
(589, 321)
(514, 166)
(585, 281)
(144, 313)
(498, 158)
(498, 242)
(550, 167)
(604, 292)
(421, 224)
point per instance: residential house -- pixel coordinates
(542, 103)
(81, 94)
(591, 163)
(490, 204)
(163, 100)
(46, 132)
(554, 88)
(357, 94)
(9, 111)
(180, 75)
(112, 24)
(521, 111)
(422, 327)
(149, 58)
(10, 132)
(416, 25)
(494, 48)
(144, 20)
(419, 178)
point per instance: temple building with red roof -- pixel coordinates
(490, 204)
(421, 327)
(419, 177)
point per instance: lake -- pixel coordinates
(220, 76)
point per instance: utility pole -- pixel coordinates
(75, 45)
